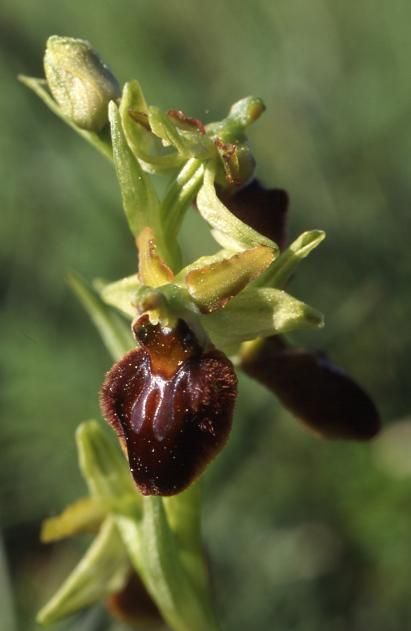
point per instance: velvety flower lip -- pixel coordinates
(263, 209)
(171, 404)
(314, 390)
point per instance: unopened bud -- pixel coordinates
(246, 111)
(79, 81)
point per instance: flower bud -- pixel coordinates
(316, 391)
(134, 606)
(171, 404)
(246, 111)
(79, 81)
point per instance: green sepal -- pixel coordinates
(130, 297)
(103, 570)
(84, 515)
(282, 269)
(145, 146)
(214, 284)
(259, 312)
(114, 332)
(100, 141)
(105, 469)
(122, 294)
(229, 231)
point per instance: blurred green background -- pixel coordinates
(304, 535)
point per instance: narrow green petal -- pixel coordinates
(39, 86)
(102, 571)
(213, 285)
(152, 269)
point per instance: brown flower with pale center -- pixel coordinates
(171, 403)
(314, 389)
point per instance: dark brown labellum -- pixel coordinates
(315, 390)
(264, 210)
(171, 404)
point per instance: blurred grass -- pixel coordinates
(303, 534)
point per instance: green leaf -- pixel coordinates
(229, 231)
(140, 200)
(122, 294)
(213, 285)
(142, 142)
(106, 470)
(114, 331)
(102, 571)
(100, 141)
(259, 313)
(84, 515)
(281, 270)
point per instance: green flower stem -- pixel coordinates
(180, 195)
(152, 547)
(184, 516)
